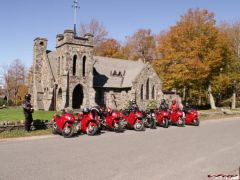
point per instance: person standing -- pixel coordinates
(174, 107)
(28, 110)
(163, 106)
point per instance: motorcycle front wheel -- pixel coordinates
(67, 131)
(92, 129)
(196, 122)
(138, 126)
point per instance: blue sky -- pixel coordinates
(21, 21)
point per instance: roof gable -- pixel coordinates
(116, 73)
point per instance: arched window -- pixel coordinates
(59, 64)
(147, 90)
(153, 92)
(84, 66)
(74, 65)
(63, 65)
(141, 92)
(59, 99)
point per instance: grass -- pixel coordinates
(21, 133)
(16, 114)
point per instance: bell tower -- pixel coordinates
(39, 56)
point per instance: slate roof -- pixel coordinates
(109, 72)
(53, 62)
(125, 72)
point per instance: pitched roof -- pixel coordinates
(110, 72)
(115, 73)
(53, 62)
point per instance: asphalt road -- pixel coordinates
(172, 154)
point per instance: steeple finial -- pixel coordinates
(75, 6)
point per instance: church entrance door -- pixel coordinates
(77, 97)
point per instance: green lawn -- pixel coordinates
(16, 114)
(21, 133)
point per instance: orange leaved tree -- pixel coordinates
(193, 52)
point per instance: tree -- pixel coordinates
(232, 31)
(193, 52)
(109, 48)
(97, 29)
(1, 80)
(141, 45)
(14, 78)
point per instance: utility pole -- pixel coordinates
(75, 7)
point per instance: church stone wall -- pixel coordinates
(117, 98)
(42, 80)
(146, 74)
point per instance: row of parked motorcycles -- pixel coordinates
(90, 122)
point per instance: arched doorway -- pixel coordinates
(59, 99)
(77, 97)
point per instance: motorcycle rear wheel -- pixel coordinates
(118, 127)
(165, 123)
(150, 123)
(180, 122)
(54, 128)
(67, 131)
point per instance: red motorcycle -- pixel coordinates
(65, 125)
(149, 119)
(135, 120)
(177, 118)
(114, 122)
(88, 124)
(163, 118)
(192, 118)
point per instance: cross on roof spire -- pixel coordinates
(75, 6)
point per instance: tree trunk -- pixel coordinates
(211, 99)
(199, 100)
(234, 100)
(184, 93)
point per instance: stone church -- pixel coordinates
(71, 76)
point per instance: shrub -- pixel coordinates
(152, 104)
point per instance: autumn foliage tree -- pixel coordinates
(140, 45)
(109, 48)
(232, 32)
(194, 54)
(14, 78)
